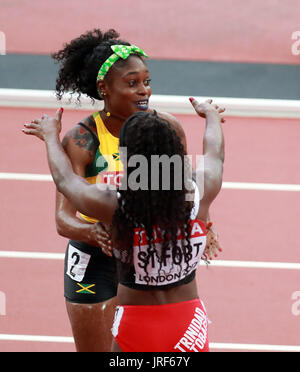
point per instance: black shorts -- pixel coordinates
(90, 275)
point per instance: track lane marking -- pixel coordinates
(36, 338)
(254, 347)
(214, 263)
(225, 185)
(212, 345)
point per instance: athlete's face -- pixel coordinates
(128, 87)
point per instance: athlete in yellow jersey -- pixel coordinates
(90, 278)
(106, 167)
(92, 146)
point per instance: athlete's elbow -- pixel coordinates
(63, 222)
(222, 156)
(61, 232)
(60, 225)
(60, 186)
(216, 152)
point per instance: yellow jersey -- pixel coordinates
(106, 167)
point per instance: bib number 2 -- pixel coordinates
(77, 263)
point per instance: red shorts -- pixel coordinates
(175, 327)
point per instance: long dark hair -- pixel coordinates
(80, 61)
(147, 134)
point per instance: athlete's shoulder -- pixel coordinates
(90, 122)
(175, 123)
(168, 116)
(81, 140)
(171, 119)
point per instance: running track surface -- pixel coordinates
(215, 30)
(245, 305)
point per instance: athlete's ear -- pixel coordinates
(101, 88)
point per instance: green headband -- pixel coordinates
(120, 51)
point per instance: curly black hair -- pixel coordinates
(167, 209)
(80, 61)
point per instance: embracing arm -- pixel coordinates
(210, 173)
(69, 225)
(80, 147)
(86, 198)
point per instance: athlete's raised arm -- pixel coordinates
(89, 199)
(213, 152)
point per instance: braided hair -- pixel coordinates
(80, 61)
(147, 134)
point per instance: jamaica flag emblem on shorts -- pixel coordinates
(86, 288)
(116, 156)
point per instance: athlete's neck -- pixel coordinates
(112, 122)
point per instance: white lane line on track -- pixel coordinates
(32, 255)
(25, 177)
(26, 338)
(212, 345)
(214, 263)
(254, 347)
(226, 185)
(255, 264)
(260, 186)
(242, 107)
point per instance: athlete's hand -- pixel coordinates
(45, 127)
(212, 248)
(207, 107)
(100, 236)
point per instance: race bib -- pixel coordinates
(77, 263)
(173, 268)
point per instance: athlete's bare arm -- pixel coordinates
(80, 146)
(211, 175)
(88, 199)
